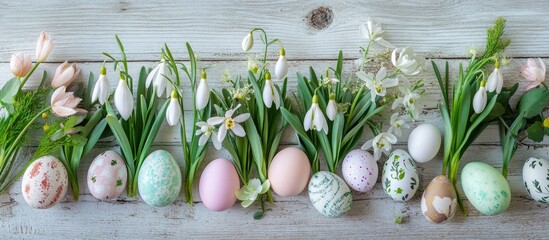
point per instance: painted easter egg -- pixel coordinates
(329, 194)
(289, 172)
(159, 179)
(45, 182)
(535, 175)
(107, 176)
(439, 201)
(218, 184)
(399, 177)
(359, 169)
(486, 188)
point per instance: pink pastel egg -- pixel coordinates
(289, 172)
(107, 176)
(44, 182)
(218, 185)
(359, 169)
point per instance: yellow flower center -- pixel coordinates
(380, 145)
(546, 123)
(46, 127)
(229, 123)
(44, 115)
(411, 101)
(379, 88)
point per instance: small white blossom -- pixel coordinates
(230, 123)
(248, 42)
(270, 93)
(281, 67)
(407, 62)
(158, 77)
(207, 131)
(331, 108)
(495, 80)
(374, 32)
(249, 193)
(398, 122)
(382, 143)
(314, 118)
(480, 98)
(377, 85)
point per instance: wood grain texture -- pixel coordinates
(313, 32)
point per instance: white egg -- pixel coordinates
(329, 194)
(535, 174)
(399, 176)
(359, 169)
(424, 143)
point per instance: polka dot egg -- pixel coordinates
(359, 169)
(107, 176)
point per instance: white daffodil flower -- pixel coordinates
(407, 62)
(123, 99)
(102, 88)
(480, 98)
(382, 143)
(229, 123)
(270, 93)
(314, 119)
(331, 108)
(281, 67)
(397, 123)
(207, 131)
(202, 92)
(248, 42)
(158, 77)
(377, 85)
(495, 80)
(173, 113)
(373, 31)
(249, 193)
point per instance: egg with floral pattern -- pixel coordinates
(44, 182)
(535, 175)
(159, 180)
(107, 176)
(399, 176)
(359, 169)
(439, 200)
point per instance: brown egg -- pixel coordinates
(439, 200)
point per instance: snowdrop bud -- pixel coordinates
(202, 93)
(20, 64)
(480, 98)
(43, 47)
(101, 90)
(270, 93)
(173, 113)
(248, 42)
(331, 108)
(495, 80)
(281, 67)
(65, 74)
(123, 98)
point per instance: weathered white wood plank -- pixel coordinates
(439, 28)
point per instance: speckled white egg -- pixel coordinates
(424, 142)
(107, 176)
(45, 182)
(359, 169)
(399, 176)
(329, 194)
(535, 174)
(159, 179)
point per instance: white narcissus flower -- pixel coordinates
(248, 42)
(248, 193)
(373, 31)
(207, 131)
(65, 74)
(44, 46)
(377, 85)
(331, 108)
(102, 88)
(397, 123)
(64, 103)
(314, 118)
(202, 92)
(281, 67)
(407, 62)
(123, 99)
(20, 64)
(173, 113)
(382, 143)
(230, 123)
(270, 93)
(480, 98)
(158, 77)
(534, 72)
(495, 80)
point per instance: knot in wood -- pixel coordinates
(320, 18)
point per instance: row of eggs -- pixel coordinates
(45, 182)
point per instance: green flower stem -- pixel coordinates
(363, 63)
(28, 75)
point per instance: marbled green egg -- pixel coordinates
(159, 180)
(486, 188)
(329, 194)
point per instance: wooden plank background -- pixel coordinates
(313, 32)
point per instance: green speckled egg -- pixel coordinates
(329, 194)
(159, 180)
(486, 188)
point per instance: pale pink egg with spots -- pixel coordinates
(44, 182)
(107, 176)
(359, 169)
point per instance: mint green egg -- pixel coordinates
(486, 188)
(159, 179)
